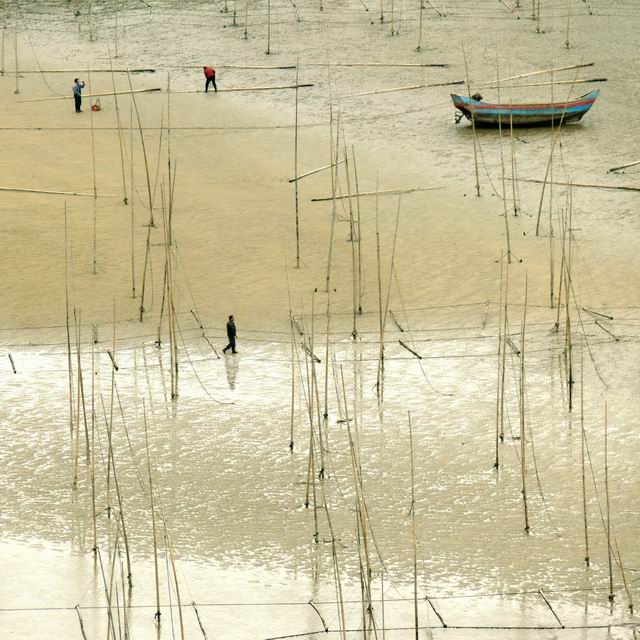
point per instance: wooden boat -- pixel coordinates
(523, 115)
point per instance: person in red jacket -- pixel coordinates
(210, 75)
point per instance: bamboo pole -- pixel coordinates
(293, 384)
(131, 182)
(268, 51)
(414, 536)
(522, 416)
(55, 193)
(606, 486)
(566, 42)
(504, 191)
(93, 451)
(313, 171)
(473, 125)
(153, 516)
(546, 84)
(583, 437)
(624, 166)
(514, 174)
(352, 239)
(295, 173)
(360, 286)
(15, 50)
(66, 297)
(419, 47)
(505, 337)
(93, 95)
(4, 28)
(380, 312)
(76, 438)
(120, 137)
(95, 189)
(583, 185)
(388, 192)
(582, 65)
(380, 378)
(93, 70)
(496, 464)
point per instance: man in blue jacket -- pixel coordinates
(77, 93)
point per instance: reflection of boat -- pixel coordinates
(524, 115)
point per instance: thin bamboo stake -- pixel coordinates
(496, 464)
(546, 84)
(55, 193)
(624, 166)
(514, 175)
(388, 192)
(504, 351)
(66, 296)
(295, 173)
(120, 137)
(504, 189)
(413, 528)
(133, 264)
(246, 21)
(153, 516)
(582, 461)
(522, 417)
(419, 47)
(360, 286)
(15, 49)
(334, 179)
(606, 486)
(82, 631)
(93, 70)
(353, 240)
(4, 28)
(293, 385)
(473, 126)
(566, 42)
(535, 73)
(77, 421)
(380, 313)
(93, 452)
(94, 95)
(95, 189)
(268, 51)
(204, 633)
(313, 171)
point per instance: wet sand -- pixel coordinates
(232, 493)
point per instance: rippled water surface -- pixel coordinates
(266, 541)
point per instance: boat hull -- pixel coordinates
(524, 115)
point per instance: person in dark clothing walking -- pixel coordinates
(210, 75)
(231, 334)
(77, 88)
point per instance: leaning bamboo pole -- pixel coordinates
(473, 126)
(120, 137)
(66, 297)
(153, 516)
(504, 189)
(93, 452)
(93, 95)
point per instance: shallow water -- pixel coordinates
(232, 494)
